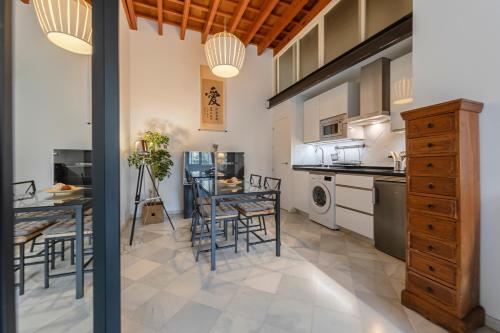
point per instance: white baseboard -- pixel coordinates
(493, 323)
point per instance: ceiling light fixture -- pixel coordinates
(225, 54)
(66, 23)
(402, 91)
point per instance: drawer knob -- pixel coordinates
(430, 125)
(430, 145)
(430, 247)
(430, 206)
(429, 290)
(430, 165)
(430, 186)
(431, 269)
(430, 227)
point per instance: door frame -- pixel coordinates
(7, 284)
(106, 165)
(105, 171)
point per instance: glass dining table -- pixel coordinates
(222, 193)
(46, 206)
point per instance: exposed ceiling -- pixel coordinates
(265, 23)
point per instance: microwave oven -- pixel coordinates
(333, 128)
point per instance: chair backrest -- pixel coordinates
(196, 192)
(272, 183)
(189, 178)
(255, 180)
(24, 189)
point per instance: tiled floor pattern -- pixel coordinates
(325, 281)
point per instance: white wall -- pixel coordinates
(52, 99)
(165, 94)
(456, 53)
(126, 196)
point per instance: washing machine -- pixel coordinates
(322, 199)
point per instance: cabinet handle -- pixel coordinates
(430, 227)
(432, 269)
(430, 186)
(429, 290)
(430, 125)
(430, 206)
(429, 165)
(430, 145)
(430, 247)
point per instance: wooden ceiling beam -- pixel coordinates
(185, 16)
(125, 9)
(131, 13)
(320, 5)
(264, 14)
(224, 14)
(214, 4)
(160, 17)
(238, 13)
(147, 7)
(287, 17)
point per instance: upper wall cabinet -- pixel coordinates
(342, 29)
(308, 58)
(287, 69)
(382, 13)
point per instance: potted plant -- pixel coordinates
(153, 152)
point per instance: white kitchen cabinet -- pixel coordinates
(354, 203)
(311, 120)
(401, 79)
(341, 99)
(301, 191)
(354, 221)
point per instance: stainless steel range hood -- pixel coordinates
(375, 93)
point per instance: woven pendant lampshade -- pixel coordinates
(225, 54)
(402, 91)
(66, 23)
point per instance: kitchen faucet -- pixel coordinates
(322, 154)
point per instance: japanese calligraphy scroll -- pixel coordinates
(212, 117)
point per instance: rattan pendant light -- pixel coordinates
(66, 23)
(403, 91)
(225, 54)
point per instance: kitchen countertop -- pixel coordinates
(362, 169)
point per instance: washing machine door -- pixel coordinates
(320, 198)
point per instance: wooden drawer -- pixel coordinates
(427, 288)
(431, 125)
(433, 185)
(433, 268)
(433, 226)
(439, 166)
(443, 207)
(443, 144)
(433, 247)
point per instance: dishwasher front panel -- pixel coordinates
(390, 218)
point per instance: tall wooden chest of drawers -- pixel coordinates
(443, 203)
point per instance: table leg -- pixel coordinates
(278, 226)
(212, 235)
(79, 252)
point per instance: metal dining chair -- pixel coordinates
(224, 215)
(26, 232)
(259, 209)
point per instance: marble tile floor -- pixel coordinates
(325, 281)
